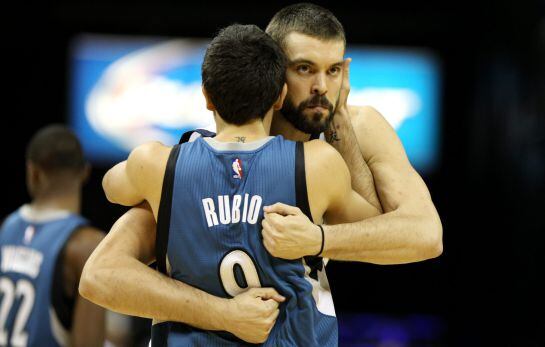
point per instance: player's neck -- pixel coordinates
(68, 200)
(280, 126)
(252, 131)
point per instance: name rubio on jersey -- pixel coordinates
(232, 209)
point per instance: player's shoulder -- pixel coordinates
(147, 160)
(149, 150)
(374, 133)
(319, 148)
(365, 115)
(10, 219)
(321, 157)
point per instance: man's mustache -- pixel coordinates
(317, 101)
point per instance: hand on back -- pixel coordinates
(252, 314)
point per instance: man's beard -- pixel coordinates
(314, 124)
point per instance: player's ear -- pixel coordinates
(209, 105)
(278, 104)
(33, 178)
(85, 173)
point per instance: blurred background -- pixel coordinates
(462, 83)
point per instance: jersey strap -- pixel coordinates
(161, 331)
(301, 194)
(165, 206)
(187, 135)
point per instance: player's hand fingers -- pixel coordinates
(270, 305)
(274, 220)
(267, 293)
(270, 232)
(271, 293)
(274, 315)
(272, 319)
(346, 73)
(267, 226)
(268, 243)
(345, 86)
(282, 209)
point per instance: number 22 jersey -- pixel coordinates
(32, 309)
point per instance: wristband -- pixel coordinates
(323, 239)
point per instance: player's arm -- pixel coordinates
(77, 251)
(119, 188)
(117, 277)
(329, 186)
(342, 137)
(287, 232)
(138, 178)
(410, 229)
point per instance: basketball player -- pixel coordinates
(408, 231)
(43, 248)
(212, 190)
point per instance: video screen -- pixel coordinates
(128, 90)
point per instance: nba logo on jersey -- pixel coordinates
(29, 234)
(237, 168)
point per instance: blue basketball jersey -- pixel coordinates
(212, 208)
(30, 244)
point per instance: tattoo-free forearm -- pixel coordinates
(113, 285)
(390, 238)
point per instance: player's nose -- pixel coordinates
(319, 86)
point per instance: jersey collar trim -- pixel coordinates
(43, 215)
(237, 146)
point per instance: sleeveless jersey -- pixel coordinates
(211, 212)
(30, 244)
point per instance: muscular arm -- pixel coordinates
(329, 186)
(117, 277)
(287, 232)
(138, 178)
(119, 263)
(78, 249)
(118, 187)
(342, 137)
(410, 229)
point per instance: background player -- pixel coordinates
(43, 248)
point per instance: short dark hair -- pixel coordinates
(308, 19)
(55, 148)
(243, 72)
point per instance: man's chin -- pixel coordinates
(313, 127)
(307, 121)
(316, 114)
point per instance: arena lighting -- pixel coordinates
(127, 90)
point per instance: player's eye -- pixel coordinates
(335, 70)
(303, 69)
